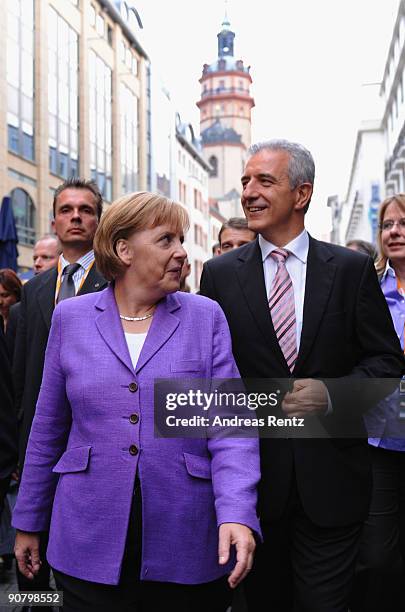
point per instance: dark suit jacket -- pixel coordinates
(347, 332)
(8, 422)
(11, 330)
(37, 305)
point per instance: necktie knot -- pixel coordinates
(67, 288)
(71, 269)
(280, 255)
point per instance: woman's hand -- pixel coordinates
(26, 552)
(242, 537)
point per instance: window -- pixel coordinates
(24, 214)
(63, 100)
(109, 35)
(100, 122)
(134, 67)
(100, 25)
(128, 58)
(213, 162)
(92, 15)
(129, 139)
(20, 77)
(121, 51)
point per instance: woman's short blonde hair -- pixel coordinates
(399, 199)
(127, 215)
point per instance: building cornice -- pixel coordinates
(219, 73)
(112, 11)
(225, 96)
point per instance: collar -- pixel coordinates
(298, 247)
(389, 271)
(85, 261)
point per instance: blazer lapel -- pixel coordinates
(94, 282)
(250, 274)
(163, 326)
(46, 296)
(318, 284)
(109, 325)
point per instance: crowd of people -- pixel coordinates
(129, 520)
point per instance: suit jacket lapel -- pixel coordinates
(46, 296)
(94, 282)
(318, 284)
(109, 325)
(163, 326)
(251, 279)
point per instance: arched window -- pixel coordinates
(213, 162)
(24, 215)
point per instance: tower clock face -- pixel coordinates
(226, 49)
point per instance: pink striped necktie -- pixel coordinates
(282, 308)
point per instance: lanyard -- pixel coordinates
(59, 279)
(401, 292)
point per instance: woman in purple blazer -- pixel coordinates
(135, 522)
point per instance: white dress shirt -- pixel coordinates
(85, 262)
(296, 264)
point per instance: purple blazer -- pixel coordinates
(79, 475)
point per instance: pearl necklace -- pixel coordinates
(148, 316)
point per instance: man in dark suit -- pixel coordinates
(77, 208)
(45, 256)
(309, 310)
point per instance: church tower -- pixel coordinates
(225, 116)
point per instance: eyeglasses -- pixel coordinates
(386, 226)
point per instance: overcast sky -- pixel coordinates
(308, 58)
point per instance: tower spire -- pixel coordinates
(226, 24)
(225, 36)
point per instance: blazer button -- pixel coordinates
(134, 418)
(133, 387)
(133, 450)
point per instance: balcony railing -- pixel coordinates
(220, 91)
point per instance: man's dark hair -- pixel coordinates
(237, 223)
(79, 183)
